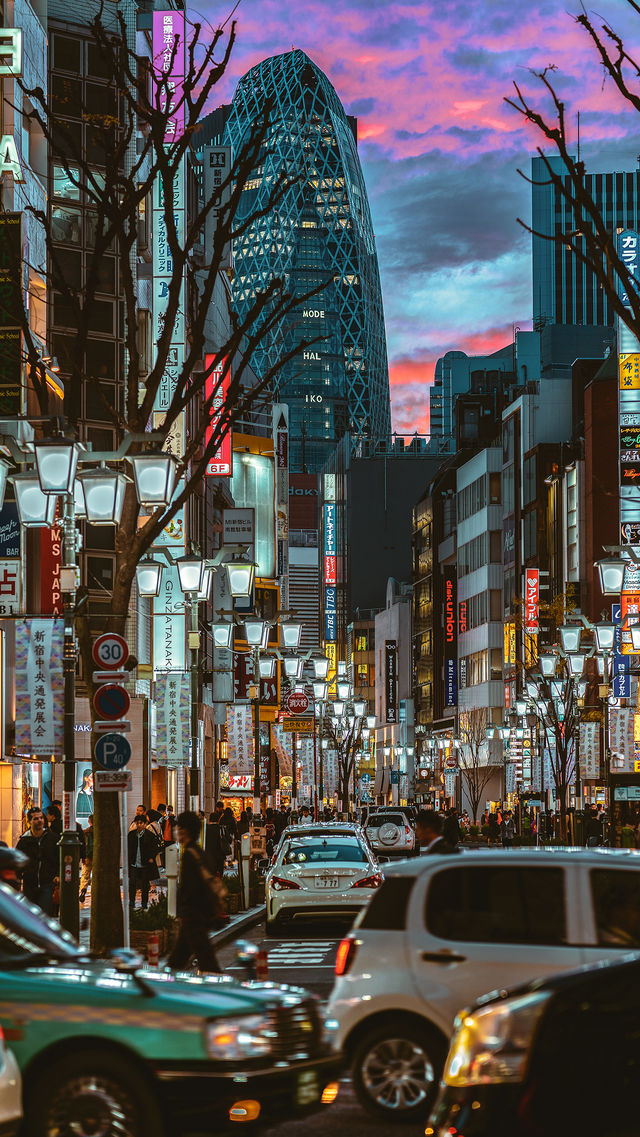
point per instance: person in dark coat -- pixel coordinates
(429, 826)
(194, 907)
(214, 851)
(451, 831)
(41, 874)
(142, 861)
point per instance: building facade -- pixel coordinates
(319, 237)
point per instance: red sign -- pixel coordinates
(50, 565)
(449, 610)
(330, 569)
(531, 598)
(216, 389)
(463, 617)
(297, 703)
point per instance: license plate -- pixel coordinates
(307, 1090)
(326, 882)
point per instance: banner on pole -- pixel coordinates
(240, 742)
(173, 711)
(39, 683)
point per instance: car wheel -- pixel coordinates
(396, 1070)
(91, 1094)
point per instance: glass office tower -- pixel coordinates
(320, 233)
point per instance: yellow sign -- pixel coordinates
(629, 372)
(299, 726)
(510, 642)
(636, 728)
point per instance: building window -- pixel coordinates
(362, 641)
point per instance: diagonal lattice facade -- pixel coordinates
(320, 232)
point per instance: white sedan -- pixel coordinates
(318, 875)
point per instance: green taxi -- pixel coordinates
(109, 1050)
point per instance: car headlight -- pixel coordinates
(248, 1037)
(491, 1044)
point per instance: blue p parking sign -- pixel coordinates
(112, 751)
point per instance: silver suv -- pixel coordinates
(390, 832)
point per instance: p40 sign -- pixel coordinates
(531, 600)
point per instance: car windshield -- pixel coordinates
(25, 931)
(310, 851)
(378, 819)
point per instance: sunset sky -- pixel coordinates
(441, 150)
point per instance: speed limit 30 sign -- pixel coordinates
(110, 651)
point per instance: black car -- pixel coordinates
(559, 1056)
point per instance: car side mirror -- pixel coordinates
(383, 860)
(263, 863)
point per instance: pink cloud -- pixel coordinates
(411, 377)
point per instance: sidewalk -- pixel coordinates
(238, 923)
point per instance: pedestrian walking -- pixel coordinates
(87, 861)
(508, 830)
(451, 831)
(494, 829)
(142, 863)
(214, 851)
(40, 876)
(200, 901)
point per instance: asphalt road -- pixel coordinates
(305, 955)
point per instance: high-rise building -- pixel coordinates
(319, 235)
(564, 290)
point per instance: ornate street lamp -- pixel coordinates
(222, 632)
(293, 667)
(240, 575)
(611, 573)
(371, 723)
(576, 662)
(155, 478)
(605, 636)
(320, 688)
(149, 577)
(35, 508)
(338, 708)
(321, 666)
(570, 637)
(343, 688)
(291, 633)
(267, 666)
(359, 707)
(255, 629)
(56, 464)
(104, 492)
(547, 661)
(190, 573)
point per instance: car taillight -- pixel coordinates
(346, 955)
(368, 881)
(279, 883)
(407, 831)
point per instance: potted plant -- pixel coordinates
(145, 923)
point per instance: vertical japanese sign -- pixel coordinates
(629, 400)
(531, 600)
(450, 636)
(39, 685)
(216, 389)
(391, 680)
(50, 565)
(173, 710)
(240, 741)
(168, 47)
(330, 549)
(281, 449)
(216, 167)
